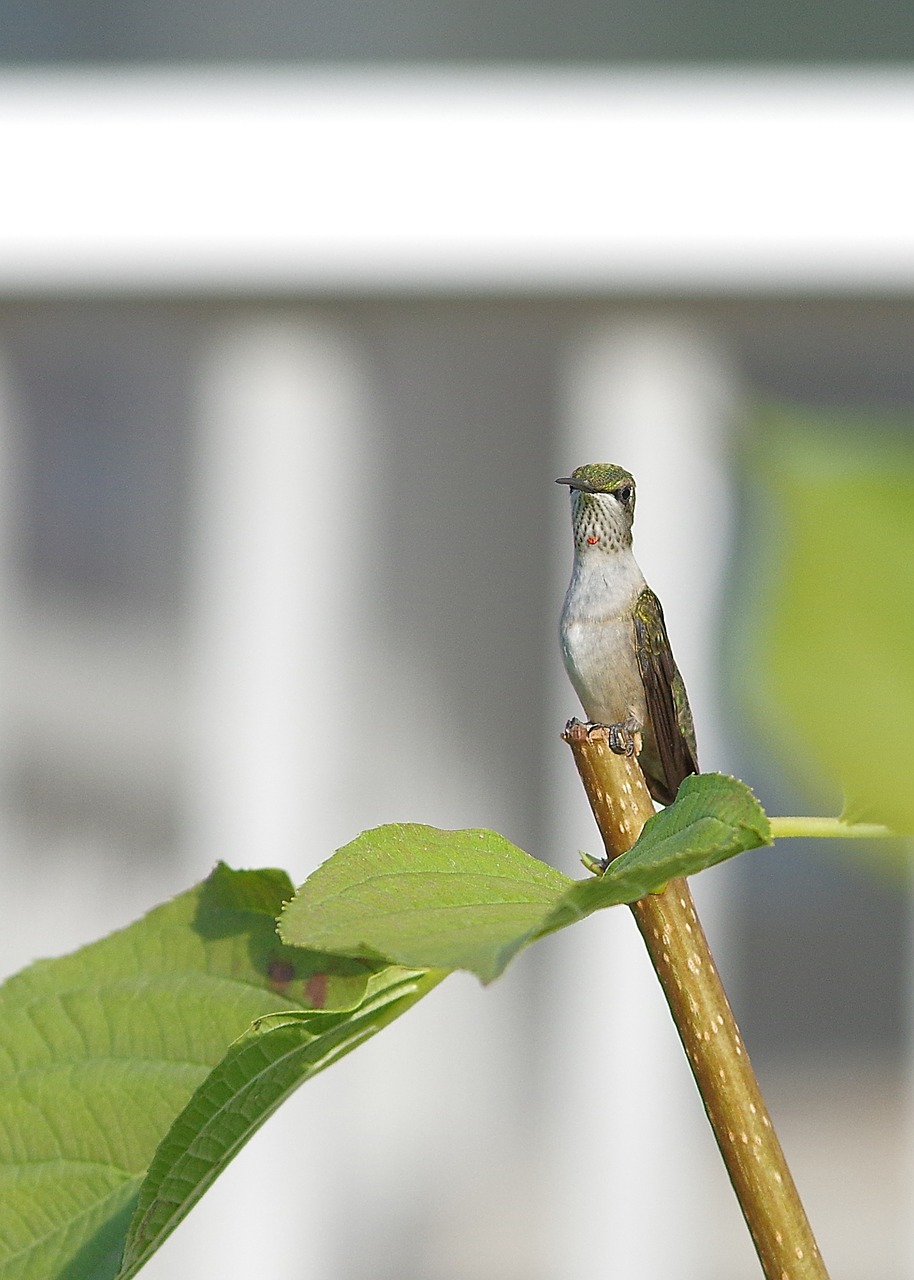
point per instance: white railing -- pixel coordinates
(353, 181)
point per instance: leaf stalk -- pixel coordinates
(827, 828)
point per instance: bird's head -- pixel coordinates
(602, 506)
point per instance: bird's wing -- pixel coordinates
(668, 709)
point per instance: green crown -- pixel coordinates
(603, 476)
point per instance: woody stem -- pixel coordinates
(682, 960)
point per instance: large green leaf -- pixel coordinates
(428, 898)
(101, 1049)
(261, 1069)
(457, 899)
(829, 657)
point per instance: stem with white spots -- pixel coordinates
(726, 1081)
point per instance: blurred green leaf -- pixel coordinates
(100, 1050)
(425, 898)
(261, 1069)
(829, 663)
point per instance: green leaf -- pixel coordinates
(827, 667)
(713, 818)
(265, 891)
(101, 1049)
(266, 1064)
(425, 898)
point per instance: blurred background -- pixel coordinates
(302, 310)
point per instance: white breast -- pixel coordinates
(597, 636)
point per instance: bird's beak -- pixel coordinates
(573, 483)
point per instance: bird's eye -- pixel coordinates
(624, 494)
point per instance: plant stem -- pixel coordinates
(828, 827)
(726, 1081)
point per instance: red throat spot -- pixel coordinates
(592, 542)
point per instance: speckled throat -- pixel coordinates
(597, 523)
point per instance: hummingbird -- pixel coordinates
(614, 641)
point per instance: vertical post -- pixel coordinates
(15, 875)
(280, 514)
(278, 496)
(657, 400)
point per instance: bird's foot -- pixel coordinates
(624, 739)
(589, 731)
(577, 731)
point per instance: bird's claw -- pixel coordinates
(623, 739)
(576, 731)
(591, 731)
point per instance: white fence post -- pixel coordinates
(278, 499)
(18, 879)
(280, 517)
